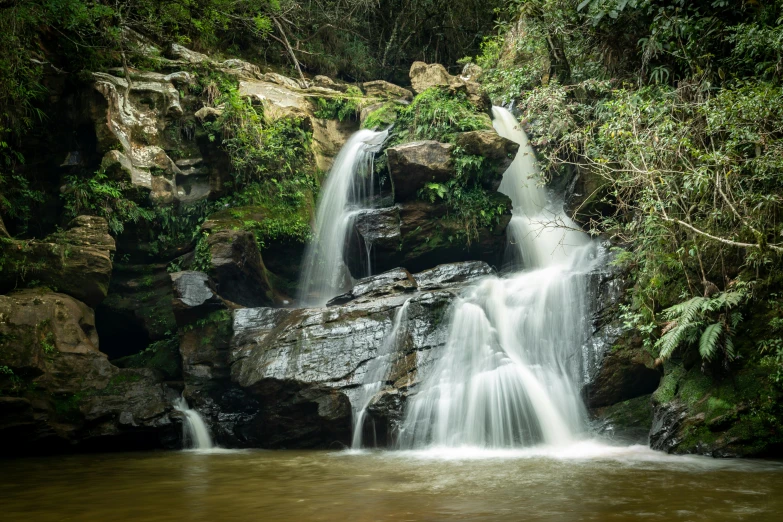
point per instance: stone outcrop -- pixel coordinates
(76, 261)
(195, 297)
(59, 390)
(137, 310)
(293, 372)
(419, 234)
(697, 413)
(497, 151)
(424, 76)
(625, 373)
(413, 165)
(236, 266)
(384, 89)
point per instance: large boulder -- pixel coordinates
(295, 373)
(413, 165)
(425, 76)
(236, 266)
(625, 373)
(76, 261)
(59, 390)
(384, 89)
(695, 412)
(497, 151)
(194, 297)
(419, 234)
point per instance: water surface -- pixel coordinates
(584, 482)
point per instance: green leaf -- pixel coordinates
(709, 341)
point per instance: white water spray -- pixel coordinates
(195, 430)
(509, 373)
(348, 185)
(377, 373)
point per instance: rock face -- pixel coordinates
(76, 262)
(495, 149)
(194, 297)
(697, 413)
(137, 310)
(237, 268)
(59, 390)
(413, 165)
(624, 374)
(424, 76)
(418, 235)
(384, 89)
(293, 372)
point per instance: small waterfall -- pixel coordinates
(195, 431)
(509, 373)
(348, 184)
(377, 373)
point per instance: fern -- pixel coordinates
(708, 344)
(687, 320)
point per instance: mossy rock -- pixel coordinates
(737, 415)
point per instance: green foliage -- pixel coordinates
(340, 107)
(100, 196)
(437, 114)
(382, 117)
(18, 200)
(203, 259)
(709, 320)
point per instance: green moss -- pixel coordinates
(669, 383)
(382, 117)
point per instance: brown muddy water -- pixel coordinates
(585, 482)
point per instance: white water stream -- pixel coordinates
(377, 373)
(348, 185)
(509, 373)
(195, 430)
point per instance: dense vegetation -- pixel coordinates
(673, 110)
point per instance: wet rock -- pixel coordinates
(625, 374)
(413, 165)
(443, 276)
(76, 261)
(390, 282)
(303, 366)
(697, 413)
(59, 390)
(627, 422)
(194, 296)
(384, 89)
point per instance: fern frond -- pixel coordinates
(731, 353)
(708, 343)
(686, 310)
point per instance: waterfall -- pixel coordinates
(509, 373)
(349, 183)
(195, 431)
(377, 373)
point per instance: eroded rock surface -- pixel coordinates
(58, 390)
(76, 261)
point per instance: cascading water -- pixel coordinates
(348, 185)
(196, 433)
(377, 373)
(509, 373)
